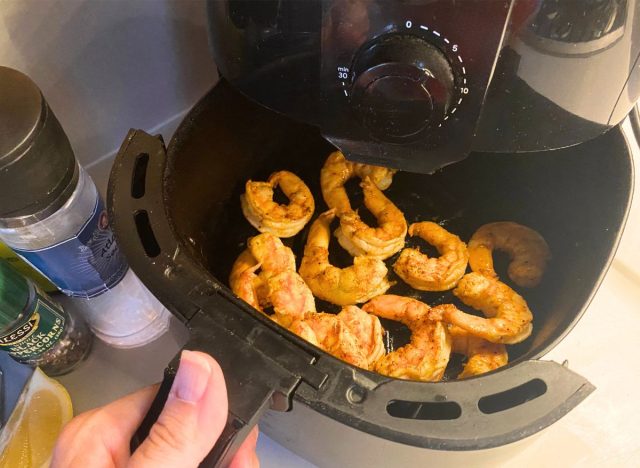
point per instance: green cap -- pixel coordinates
(14, 294)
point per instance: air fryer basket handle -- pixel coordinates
(261, 370)
(225, 448)
(137, 214)
(156, 408)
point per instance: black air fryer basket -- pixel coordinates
(176, 213)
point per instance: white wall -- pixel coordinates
(105, 66)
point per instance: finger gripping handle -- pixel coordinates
(225, 448)
(156, 408)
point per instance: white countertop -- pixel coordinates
(601, 431)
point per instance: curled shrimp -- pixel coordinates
(482, 355)
(382, 241)
(272, 254)
(337, 170)
(244, 281)
(283, 287)
(268, 254)
(290, 296)
(433, 274)
(266, 215)
(287, 292)
(352, 335)
(276, 285)
(528, 251)
(366, 278)
(328, 332)
(367, 330)
(427, 354)
(508, 318)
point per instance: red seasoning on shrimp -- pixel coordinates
(433, 274)
(266, 215)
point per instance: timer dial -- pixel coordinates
(402, 84)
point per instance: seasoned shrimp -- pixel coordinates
(331, 334)
(367, 330)
(366, 278)
(352, 335)
(243, 280)
(290, 296)
(301, 328)
(266, 215)
(427, 354)
(272, 254)
(433, 274)
(383, 241)
(528, 251)
(277, 284)
(508, 316)
(482, 355)
(337, 170)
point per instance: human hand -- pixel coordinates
(190, 423)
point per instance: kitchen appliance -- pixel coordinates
(416, 85)
(379, 81)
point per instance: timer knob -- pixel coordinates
(401, 85)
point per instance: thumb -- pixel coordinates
(192, 418)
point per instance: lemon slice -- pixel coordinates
(29, 436)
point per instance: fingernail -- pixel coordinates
(192, 377)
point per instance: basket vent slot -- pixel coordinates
(138, 181)
(427, 410)
(513, 397)
(146, 235)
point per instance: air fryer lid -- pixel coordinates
(177, 216)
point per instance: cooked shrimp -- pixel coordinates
(290, 296)
(243, 280)
(528, 251)
(331, 334)
(272, 254)
(427, 354)
(367, 330)
(277, 284)
(508, 316)
(352, 335)
(266, 215)
(482, 355)
(383, 241)
(337, 170)
(433, 274)
(304, 331)
(366, 278)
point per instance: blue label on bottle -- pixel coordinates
(85, 265)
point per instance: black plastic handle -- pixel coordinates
(261, 370)
(156, 408)
(137, 213)
(225, 448)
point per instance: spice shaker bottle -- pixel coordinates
(52, 216)
(36, 330)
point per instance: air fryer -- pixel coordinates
(521, 154)
(418, 85)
